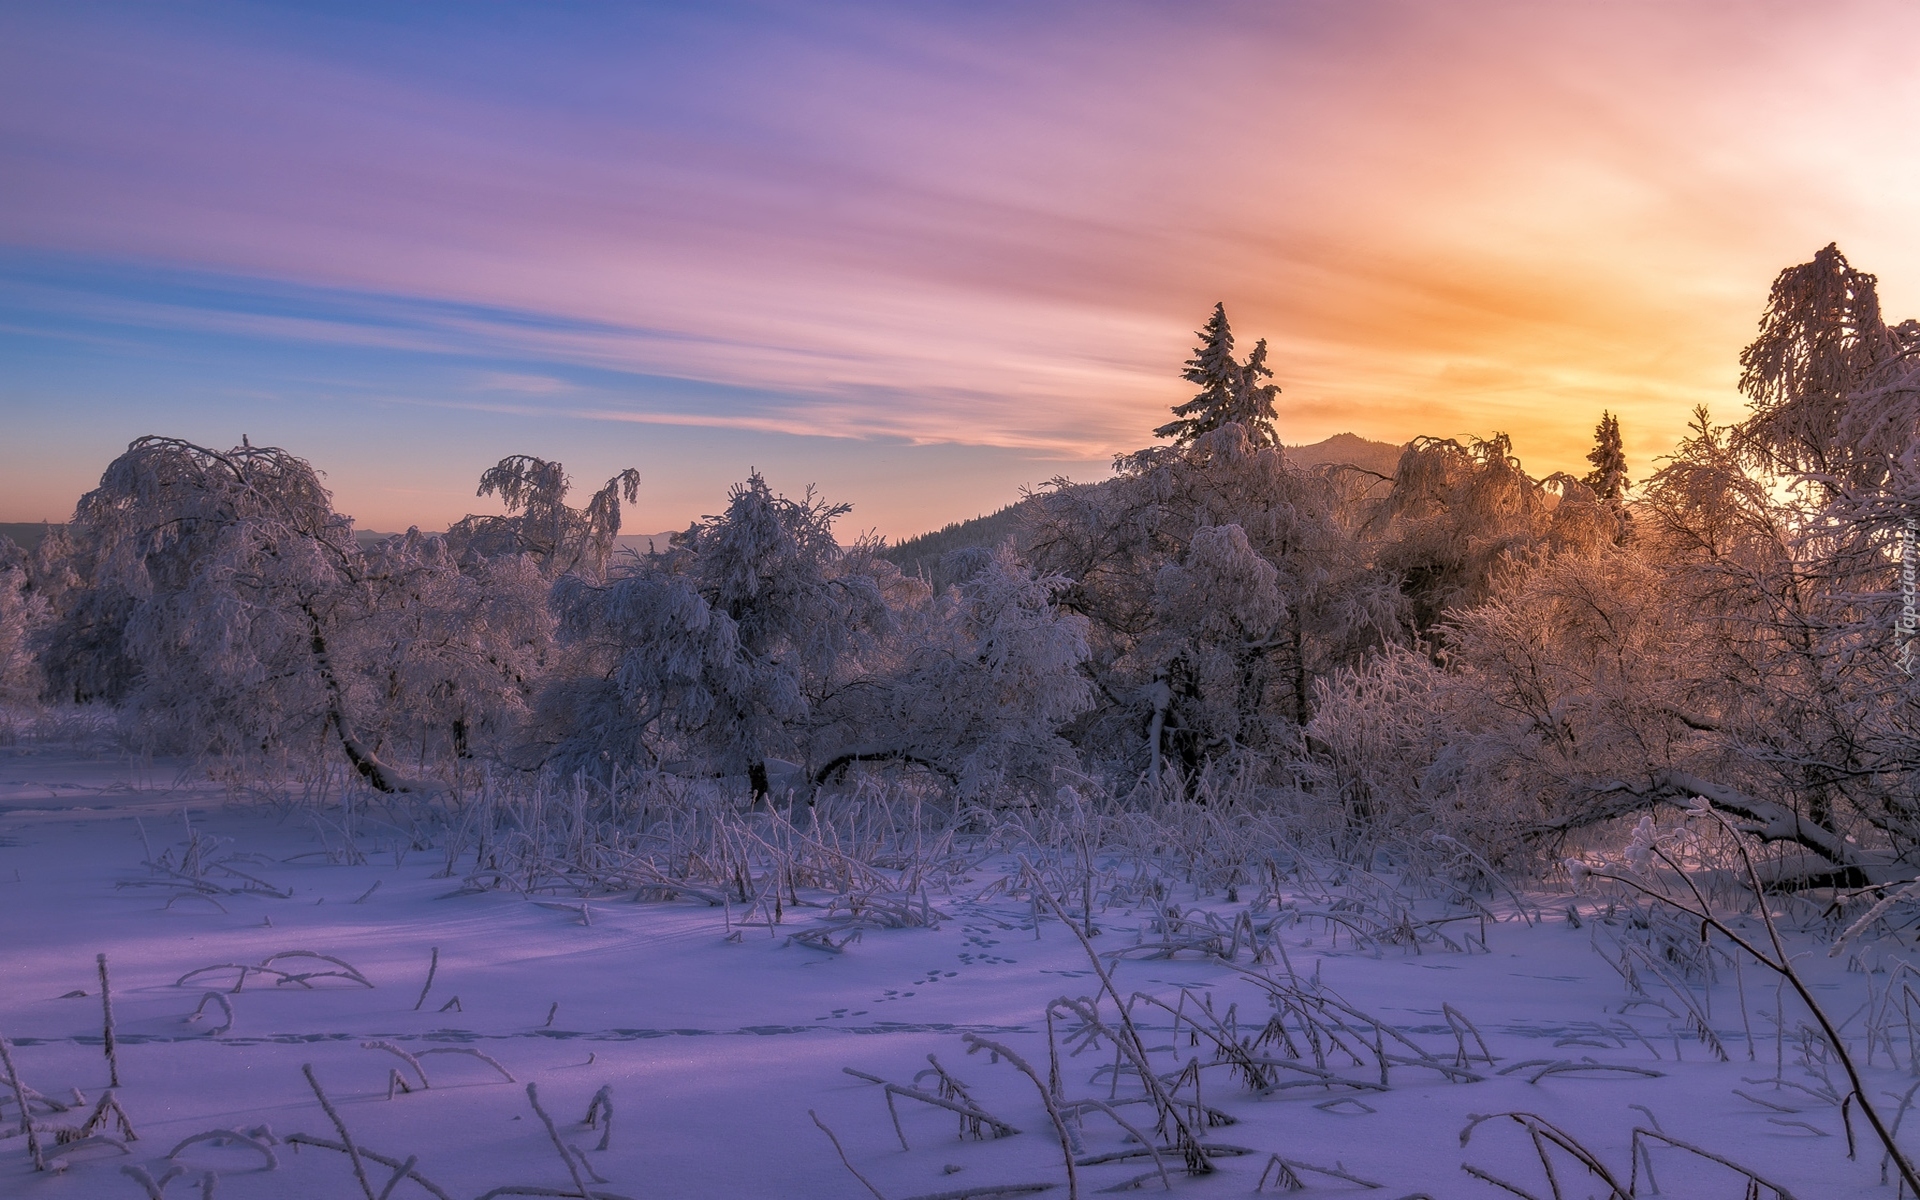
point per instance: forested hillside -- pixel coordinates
(923, 556)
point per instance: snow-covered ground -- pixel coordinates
(717, 1050)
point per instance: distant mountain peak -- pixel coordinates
(1351, 448)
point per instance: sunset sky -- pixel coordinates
(920, 254)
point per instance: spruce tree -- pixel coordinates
(1608, 479)
(1214, 368)
(1229, 390)
(1253, 399)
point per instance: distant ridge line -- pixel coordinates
(921, 555)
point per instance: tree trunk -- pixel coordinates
(1768, 820)
(364, 761)
(1297, 637)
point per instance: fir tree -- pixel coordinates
(1608, 479)
(1229, 391)
(1253, 399)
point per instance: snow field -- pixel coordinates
(721, 1041)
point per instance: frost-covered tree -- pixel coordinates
(22, 612)
(539, 524)
(1794, 600)
(1457, 516)
(1565, 684)
(1835, 391)
(239, 580)
(82, 650)
(452, 653)
(979, 684)
(1743, 649)
(723, 650)
(254, 625)
(1253, 398)
(1215, 615)
(1173, 682)
(219, 596)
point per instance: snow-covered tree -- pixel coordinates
(1230, 391)
(255, 625)
(1457, 516)
(981, 683)
(1608, 479)
(1742, 649)
(1835, 391)
(240, 579)
(22, 612)
(1253, 398)
(538, 522)
(1215, 615)
(82, 650)
(722, 650)
(452, 653)
(1141, 550)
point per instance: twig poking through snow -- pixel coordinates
(967, 1110)
(156, 1188)
(230, 1136)
(347, 969)
(106, 1008)
(109, 1107)
(573, 1168)
(225, 1007)
(1288, 1175)
(601, 1107)
(432, 967)
(976, 1042)
(844, 1161)
(404, 1057)
(20, 1098)
(340, 1127)
(586, 1166)
(470, 1052)
(400, 1173)
(265, 967)
(392, 1164)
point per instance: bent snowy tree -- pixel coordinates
(538, 523)
(242, 580)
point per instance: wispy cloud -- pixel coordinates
(531, 385)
